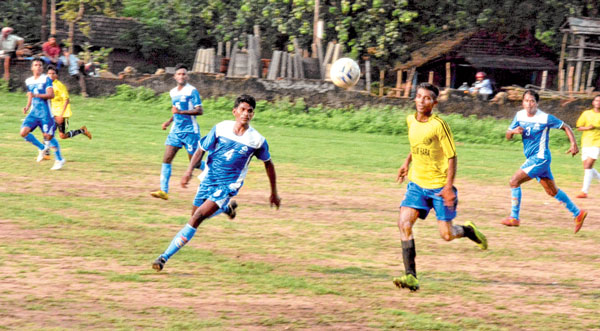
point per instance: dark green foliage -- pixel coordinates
(23, 16)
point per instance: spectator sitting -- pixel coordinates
(52, 52)
(76, 68)
(10, 45)
(482, 86)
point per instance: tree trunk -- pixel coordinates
(44, 32)
(72, 26)
(52, 17)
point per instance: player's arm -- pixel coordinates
(196, 158)
(573, 150)
(275, 200)
(196, 111)
(511, 133)
(29, 99)
(447, 192)
(48, 95)
(586, 128)
(403, 171)
(67, 101)
(166, 124)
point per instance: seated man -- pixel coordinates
(76, 68)
(9, 45)
(51, 52)
(482, 86)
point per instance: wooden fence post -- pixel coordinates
(544, 78)
(398, 83)
(448, 74)
(381, 81)
(368, 75)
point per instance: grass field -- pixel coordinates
(76, 244)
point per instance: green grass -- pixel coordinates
(85, 236)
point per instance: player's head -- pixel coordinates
(480, 75)
(6, 31)
(530, 100)
(596, 102)
(37, 66)
(426, 97)
(52, 72)
(243, 109)
(181, 76)
(52, 39)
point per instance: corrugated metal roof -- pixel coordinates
(104, 31)
(583, 25)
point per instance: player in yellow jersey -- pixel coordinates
(589, 124)
(431, 179)
(61, 107)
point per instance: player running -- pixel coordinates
(431, 180)
(589, 123)
(534, 126)
(61, 107)
(186, 104)
(230, 146)
(39, 92)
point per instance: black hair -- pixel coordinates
(51, 67)
(533, 93)
(181, 66)
(245, 98)
(430, 87)
(37, 59)
(52, 36)
(597, 96)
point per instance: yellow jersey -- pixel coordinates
(61, 94)
(589, 138)
(431, 145)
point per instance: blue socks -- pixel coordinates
(186, 234)
(564, 199)
(54, 144)
(515, 194)
(32, 139)
(165, 175)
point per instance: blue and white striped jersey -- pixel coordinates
(39, 107)
(536, 132)
(187, 98)
(229, 154)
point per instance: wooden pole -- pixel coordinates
(448, 74)
(299, 65)
(430, 80)
(582, 86)
(274, 67)
(590, 74)
(381, 79)
(316, 35)
(409, 79)
(544, 78)
(336, 53)
(561, 64)
(320, 58)
(231, 67)
(52, 17)
(368, 75)
(398, 82)
(290, 65)
(44, 32)
(570, 80)
(257, 51)
(228, 50)
(579, 63)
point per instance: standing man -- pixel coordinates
(9, 45)
(431, 182)
(76, 69)
(534, 126)
(589, 123)
(39, 93)
(186, 104)
(230, 146)
(61, 107)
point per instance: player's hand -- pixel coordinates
(402, 172)
(573, 150)
(165, 125)
(186, 179)
(174, 110)
(518, 130)
(275, 200)
(447, 193)
(25, 110)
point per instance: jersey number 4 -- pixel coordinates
(229, 154)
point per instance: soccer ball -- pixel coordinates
(344, 73)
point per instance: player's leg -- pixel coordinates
(27, 127)
(200, 213)
(49, 129)
(589, 155)
(519, 177)
(552, 190)
(408, 217)
(165, 172)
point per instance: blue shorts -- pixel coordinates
(219, 194)
(46, 124)
(187, 139)
(537, 168)
(423, 200)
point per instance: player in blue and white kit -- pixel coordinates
(185, 132)
(534, 126)
(230, 146)
(39, 94)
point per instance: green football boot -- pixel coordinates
(408, 280)
(483, 244)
